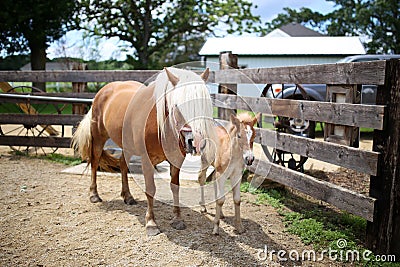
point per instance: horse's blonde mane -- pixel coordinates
(190, 96)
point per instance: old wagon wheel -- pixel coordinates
(295, 126)
(31, 129)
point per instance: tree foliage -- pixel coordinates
(379, 20)
(158, 27)
(30, 25)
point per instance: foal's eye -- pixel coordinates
(238, 136)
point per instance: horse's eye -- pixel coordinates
(238, 135)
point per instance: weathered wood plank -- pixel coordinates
(348, 157)
(340, 197)
(64, 142)
(40, 119)
(368, 116)
(143, 76)
(77, 76)
(339, 73)
(343, 73)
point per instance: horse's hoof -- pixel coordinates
(152, 230)
(95, 199)
(178, 225)
(130, 201)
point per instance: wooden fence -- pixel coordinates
(381, 206)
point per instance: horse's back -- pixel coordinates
(109, 107)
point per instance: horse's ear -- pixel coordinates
(256, 118)
(171, 77)
(205, 74)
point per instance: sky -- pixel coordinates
(72, 43)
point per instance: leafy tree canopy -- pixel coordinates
(377, 19)
(154, 26)
(30, 25)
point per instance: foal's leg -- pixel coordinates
(177, 221)
(220, 199)
(202, 181)
(235, 182)
(125, 193)
(148, 172)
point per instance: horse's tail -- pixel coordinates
(82, 138)
(82, 142)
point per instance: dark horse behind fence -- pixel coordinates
(163, 121)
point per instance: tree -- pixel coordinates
(30, 25)
(379, 20)
(151, 26)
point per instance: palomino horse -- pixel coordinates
(234, 150)
(156, 122)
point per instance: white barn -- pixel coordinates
(290, 45)
(281, 50)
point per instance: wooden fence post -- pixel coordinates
(78, 109)
(344, 135)
(227, 60)
(383, 234)
(79, 88)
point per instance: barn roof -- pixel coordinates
(296, 29)
(315, 45)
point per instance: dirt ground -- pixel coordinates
(46, 219)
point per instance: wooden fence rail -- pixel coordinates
(381, 208)
(368, 116)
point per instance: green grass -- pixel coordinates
(59, 158)
(321, 228)
(40, 108)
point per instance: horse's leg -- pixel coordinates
(177, 221)
(235, 182)
(148, 172)
(202, 181)
(97, 149)
(125, 193)
(220, 199)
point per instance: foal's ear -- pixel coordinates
(256, 118)
(235, 121)
(171, 77)
(205, 74)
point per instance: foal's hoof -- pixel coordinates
(178, 225)
(152, 230)
(203, 209)
(239, 230)
(95, 199)
(130, 201)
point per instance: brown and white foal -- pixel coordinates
(234, 149)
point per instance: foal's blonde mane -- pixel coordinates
(245, 117)
(190, 96)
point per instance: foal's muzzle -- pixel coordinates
(248, 158)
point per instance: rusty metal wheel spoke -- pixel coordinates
(295, 126)
(30, 130)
